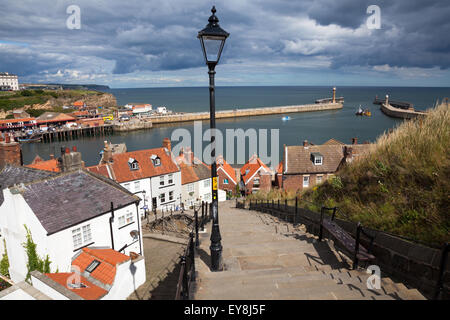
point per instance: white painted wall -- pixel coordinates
(15, 212)
(129, 277)
(48, 291)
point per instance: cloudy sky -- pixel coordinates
(153, 43)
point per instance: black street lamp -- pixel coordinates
(212, 39)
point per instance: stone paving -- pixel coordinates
(269, 259)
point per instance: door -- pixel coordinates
(154, 204)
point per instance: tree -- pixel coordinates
(4, 263)
(34, 261)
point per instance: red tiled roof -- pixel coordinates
(91, 292)
(221, 163)
(78, 103)
(16, 120)
(108, 258)
(49, 165)
(187, 174)
(252, 165)
(100, 169)
(121, 169)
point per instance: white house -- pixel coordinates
(66, 213)
(151, 174)
(142, 109)
(195, 179)
(161, 110)
(9, 81)
(96, 274)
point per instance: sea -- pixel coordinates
(316, 127)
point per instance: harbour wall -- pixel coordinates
(400, 113)
(250, 112)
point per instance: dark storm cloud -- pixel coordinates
(134, 36)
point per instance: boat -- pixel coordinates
(365, 112)
(286, 118)
(30, 138)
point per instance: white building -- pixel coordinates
(9, 81)
(142, 109)
(195, 179)
(66, 213)
(151, 174)
(161, 110)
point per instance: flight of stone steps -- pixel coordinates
(269, 259)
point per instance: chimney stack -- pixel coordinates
(107, 153)
(70, 161)
(10, 152)
(334, 95)
(167, 144)
(354, 140)
(348, 154)
(305, 143)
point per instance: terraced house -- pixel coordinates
(255, 176)
(306, 166)
(153, 175)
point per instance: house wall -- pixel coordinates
(144, 185)
(231, 186)
(205, 191)
(129, 276)
(265, 183)
(295, 182)
(157, 190)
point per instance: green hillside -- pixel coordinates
(403, 186)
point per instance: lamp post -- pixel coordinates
(212, 39)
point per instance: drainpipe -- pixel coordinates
(111, 220)
(139, 228)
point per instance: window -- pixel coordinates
(208, 197)
(92, 266)
(87, 236)
(191, 187)
(170, 179)
(256, 181)
(207, 183)
(305, 181)
(170, 195)
(318, 161)
(225, 181)
(155, 160)
(129, 217)
(161, 180)
(127, 186)
(121, 221)
(133, 164)
(76, 235)
(319, 179)
(163, 197)
(81, 236)
(137, 185)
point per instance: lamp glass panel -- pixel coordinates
(213, 46)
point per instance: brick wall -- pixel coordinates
(231, 186)
(295, 182)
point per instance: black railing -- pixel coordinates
(187, 271)
(442, 268)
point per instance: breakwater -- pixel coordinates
(250, 112)
(391, 111)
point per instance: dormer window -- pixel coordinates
(134, 165)
(317, 158)
(155, 160)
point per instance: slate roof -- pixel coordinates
(11, 175)
(299, 157)
(69, 199)
(202, 171)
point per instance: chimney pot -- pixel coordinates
(67, 150)
(74, 149)
(167, 144)
(52, 157)
(305, 143)
(354, 140)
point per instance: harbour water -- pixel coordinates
(316, 127)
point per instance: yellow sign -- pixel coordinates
(108, 118)
(214, 183)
